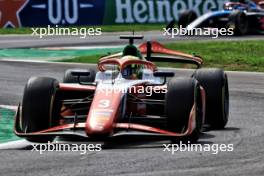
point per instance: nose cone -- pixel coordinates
(104, 111)
(99, 123)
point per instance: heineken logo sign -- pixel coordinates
(160, 11)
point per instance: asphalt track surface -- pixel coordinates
(127, 156)
(106, 39)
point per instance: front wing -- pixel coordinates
(78, 129)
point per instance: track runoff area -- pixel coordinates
(246, 101)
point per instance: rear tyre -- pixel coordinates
(239, 22)
(215, 83)
(39, 107)
(180, 98)
(186, 18)
(69, 78)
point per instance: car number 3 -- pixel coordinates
(104, 103)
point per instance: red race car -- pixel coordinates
(127, 96)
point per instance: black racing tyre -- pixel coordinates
(69, 78)
(181, 95)
(186, 17)
(215, 83)
(239, 22)
(38, 107)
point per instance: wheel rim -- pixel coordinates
(225, 98)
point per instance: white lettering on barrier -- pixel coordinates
(194, 5)
(164, 8)
(177, 7)
(126, 7)
(139, 9)
(152, 11)
(151, 17)
(208, 5)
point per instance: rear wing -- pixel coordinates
(151, 49)
(173, 59)
(131, 38)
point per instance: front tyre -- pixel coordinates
(39, 107)
(215, 83)
(182, 95)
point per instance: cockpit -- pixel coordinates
(127, 67)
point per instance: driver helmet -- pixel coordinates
(132, 71)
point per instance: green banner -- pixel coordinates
(154, 11)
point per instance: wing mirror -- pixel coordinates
(80, 73)
(164, 74)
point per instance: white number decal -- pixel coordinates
(71, 19)
(56, 14)
(104, 104)
(54, 19)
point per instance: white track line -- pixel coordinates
(42, 61)
(14, 144)
(14, 108)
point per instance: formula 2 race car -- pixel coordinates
(243, 17)
(127, 96)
